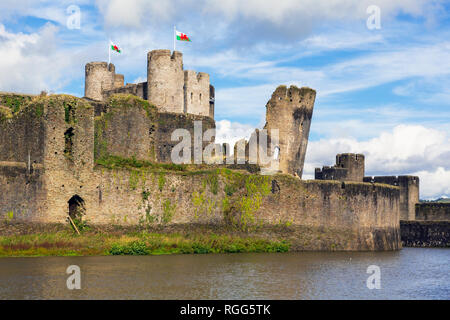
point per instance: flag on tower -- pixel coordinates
(182, 37)
(115, 48)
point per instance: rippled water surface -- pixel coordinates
(407, 274)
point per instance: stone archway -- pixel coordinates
(76, 208)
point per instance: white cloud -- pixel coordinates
(30, 62)
(231, 132)
(285, 14)
(407, 149)
(434, 184)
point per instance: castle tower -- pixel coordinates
(100, 77)
(196, 93)
(290, 111)
(354, 163)
(165, 80)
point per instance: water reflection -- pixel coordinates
(408, 274)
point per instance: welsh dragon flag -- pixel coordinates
(115, 48)
(182, 37)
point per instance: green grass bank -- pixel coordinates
(62, 241)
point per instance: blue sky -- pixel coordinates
(383, 92)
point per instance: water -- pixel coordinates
(407, 274)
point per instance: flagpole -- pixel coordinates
(174, 38)
(109, 52)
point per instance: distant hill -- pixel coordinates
(440, 200)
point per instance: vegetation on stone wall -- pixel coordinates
(168, 211)
(126, 101)
(115, 162)
(11, 104)
(117, 103)
(14, 102)
(240, 199)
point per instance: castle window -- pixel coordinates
(192, 97)
(200, 97)
(68, 142)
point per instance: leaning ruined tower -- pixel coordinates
(290, 111)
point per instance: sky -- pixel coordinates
(383, 92)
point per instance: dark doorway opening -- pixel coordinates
(68, 146)
(76, 208)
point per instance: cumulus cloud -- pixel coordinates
(407, 149)
(30, 62)
(434, 184)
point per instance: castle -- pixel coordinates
(168, 86)
(107, 158)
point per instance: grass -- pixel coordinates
(66, 243)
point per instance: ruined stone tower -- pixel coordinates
(101, 77)
(290, 111)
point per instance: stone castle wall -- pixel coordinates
(425, 234)
(316, 215)
(22, 192)
(138, 90)
(166, 123)
(409, 192)
(23, 139)
(290, 111)
(433, 211)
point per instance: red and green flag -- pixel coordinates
(182, 37)
(115, 48)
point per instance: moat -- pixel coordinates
(407, 274)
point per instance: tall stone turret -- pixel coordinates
(165, 80)
(100, 77)
(349, 167)
(354, 163)
(290, 111)
(196, 93)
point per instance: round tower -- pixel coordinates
(165, 80)
(99, 77)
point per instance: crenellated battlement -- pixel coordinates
(348, 167)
